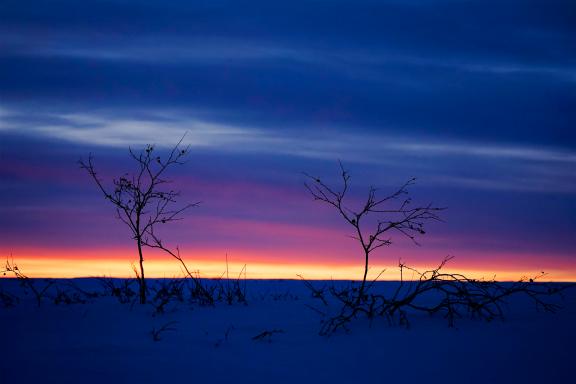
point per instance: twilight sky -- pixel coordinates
(474, 98)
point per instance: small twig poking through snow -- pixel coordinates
(229, 330)
(267, 335)
(156, 333)
(323, 314)
(233, 291)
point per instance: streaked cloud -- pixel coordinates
(174, 49)
(496, 151)
(162, 127)
(494, 166)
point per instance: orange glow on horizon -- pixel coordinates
(116, 263)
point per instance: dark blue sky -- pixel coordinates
(475, 98)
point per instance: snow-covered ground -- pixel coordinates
(106, 341)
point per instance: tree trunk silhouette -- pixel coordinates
(141, 277)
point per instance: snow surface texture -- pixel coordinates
(274, 339)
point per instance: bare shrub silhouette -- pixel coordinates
(143, 201)
(434, 291)
(198, 292)
(234, 290)
(30, 285)
(121, 289)
(43, 289)
(393, 212)
(452, 295)
(65, 295)
(165, 292)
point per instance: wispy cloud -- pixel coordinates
(514, 182)
(495, 166)
(493, 151)
(161, 127)
(167, 49)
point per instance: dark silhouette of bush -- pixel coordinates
(30, 285)
(435, 292)
(143, 201)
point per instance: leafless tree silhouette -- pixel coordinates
(434, 291)
(392, 212)
(143, 200)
